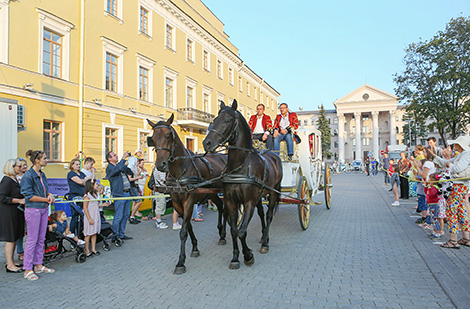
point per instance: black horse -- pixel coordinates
(249, 176)
(183, 169)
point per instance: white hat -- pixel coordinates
(137, 150)
(463, 141)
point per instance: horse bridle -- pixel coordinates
(171, 150)
(233, 132)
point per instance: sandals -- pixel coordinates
(44, 269)
(464, 242)
(451, 244)
(31, 276)
(20, 256)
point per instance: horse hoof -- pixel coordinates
(264, 250)
(234, 265)
(250, 262)
(195, 254)
(179, 270)
(222, 242)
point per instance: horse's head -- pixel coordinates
(163, 139)
(223, 129)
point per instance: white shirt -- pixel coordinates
(284, 123)
(259, 125)
(87, 173)
(432, 168)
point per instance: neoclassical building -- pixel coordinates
(364, 122)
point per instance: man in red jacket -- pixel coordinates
(285, 125)
(261, 126)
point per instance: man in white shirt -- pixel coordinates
(261, 126)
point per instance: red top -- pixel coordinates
(266, 122)
(390, 170)
(294, 121)
(432, 194)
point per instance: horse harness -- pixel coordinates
(182, 180)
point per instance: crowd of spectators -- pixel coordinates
(25, 205)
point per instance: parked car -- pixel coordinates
(356, 165)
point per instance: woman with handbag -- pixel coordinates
(456, 210)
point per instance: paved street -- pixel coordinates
(361, 253)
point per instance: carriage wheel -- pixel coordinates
(327, 186)
(303, 209)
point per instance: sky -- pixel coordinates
(315, 52)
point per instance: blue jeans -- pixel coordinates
(434, 212)
(121, 214)
(290, 143)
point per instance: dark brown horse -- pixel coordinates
(249, 176)
(182, 169)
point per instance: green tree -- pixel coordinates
(436, 79)
(325, 129)
(413, 130)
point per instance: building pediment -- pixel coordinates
(367, 98)
(367, 93)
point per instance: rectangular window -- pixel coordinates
(168, 92)
(143, 145)
(248, 88)
(206, 103)
(365, 141)
(365, 129)
(52, 53)
(169, 37)
(313, 122)
(52, 136)
(189, 50)
(256, 93)
(240, 83)
(335, 120)
(189, 97)
(219, 69)
(143, 84)
(111, 7)
(336, 144)
(305, 122)
(144, 20)
(111, 140)
(111, 72)
(205, 60)
(230, 76)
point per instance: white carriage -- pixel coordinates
(306, 175)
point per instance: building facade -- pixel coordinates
(87, 74)
(364, 123)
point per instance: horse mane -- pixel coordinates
(244, 126)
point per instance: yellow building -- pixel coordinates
(87, 74)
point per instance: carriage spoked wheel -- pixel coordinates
(303, 193)
(327, 185)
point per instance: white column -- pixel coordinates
(357, 121)
(341, 138)
(375, 134)
(393, 132)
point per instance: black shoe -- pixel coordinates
(13, 271)
(289, 158)
(420, 220)
(133, 221)
(96, 253)
(127, 237)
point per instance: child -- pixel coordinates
(395, 181)
(435, 200)
(61, 226)
(88, 168)
(92, 219)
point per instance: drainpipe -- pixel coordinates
(80, 82)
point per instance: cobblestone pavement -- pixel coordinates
(361, 253)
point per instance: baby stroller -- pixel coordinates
(106, 234)
(54, 244)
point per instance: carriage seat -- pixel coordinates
(260, 146)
